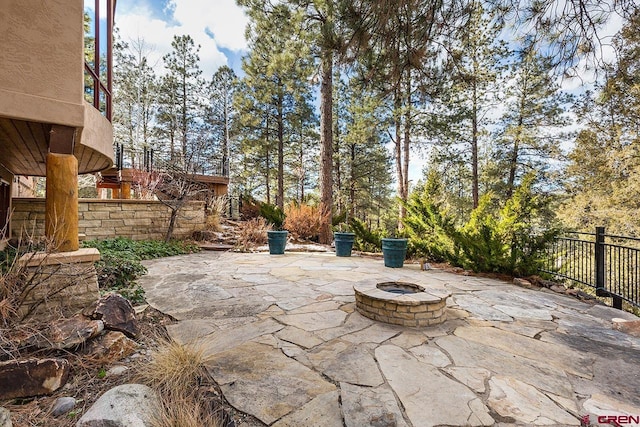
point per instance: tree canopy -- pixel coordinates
(337, 99)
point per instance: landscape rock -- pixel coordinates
(5, 417)
(118, 314)
(116, 371)
(127, 405)
(62, 405)
(111, 347)
(32, 377)
(561, 289)
(522, 282)
(68, 333)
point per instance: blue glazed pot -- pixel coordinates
(344, 243)
(394, 251)
(277, 241)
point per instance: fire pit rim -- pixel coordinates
(371, 290)
(413, 286)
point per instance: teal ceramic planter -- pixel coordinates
(394, 251)
(277, 241)
(344, 243)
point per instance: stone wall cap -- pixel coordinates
(54, 258)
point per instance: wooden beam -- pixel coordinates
(62, 139)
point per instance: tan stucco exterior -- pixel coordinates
(42, 48)
(41, 74)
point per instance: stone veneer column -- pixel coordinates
(61, 205)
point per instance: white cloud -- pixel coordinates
(222, 18)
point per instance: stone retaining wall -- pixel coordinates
(103, 219)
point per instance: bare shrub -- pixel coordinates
(145, 183)
(303, 221)
(24, 273)
(253, 233)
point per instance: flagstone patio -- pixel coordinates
(287, 345)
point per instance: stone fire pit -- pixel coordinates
(401, 303)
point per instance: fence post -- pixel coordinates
(600, 264)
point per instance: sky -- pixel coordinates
(218, 26)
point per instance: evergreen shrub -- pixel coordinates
(273, 214)
(501, 238)
(365, 240)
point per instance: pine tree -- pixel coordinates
(603, 174)
(182, 87)
(476, 64)
(277, 71)
(322, 22)
(364, 161)
(222, 113)
(528, 138)
(398, 45)
(135, 98)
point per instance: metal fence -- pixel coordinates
(162, 160)
(608, 263)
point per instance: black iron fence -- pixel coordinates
(162, 160)
(608, 263)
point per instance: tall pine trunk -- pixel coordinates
(280, 195)
(268, 161)
(326, 145)
(352, 183)
(406, 144)
(397, 117)
(474, 147)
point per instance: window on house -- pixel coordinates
(98, 30)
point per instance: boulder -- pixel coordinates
(129, 405)
(5, 418)
(522, 282)
(561, 289)
(68, 333)
(118, 314)
(32, 377)
(62, 405)
(110, 347)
